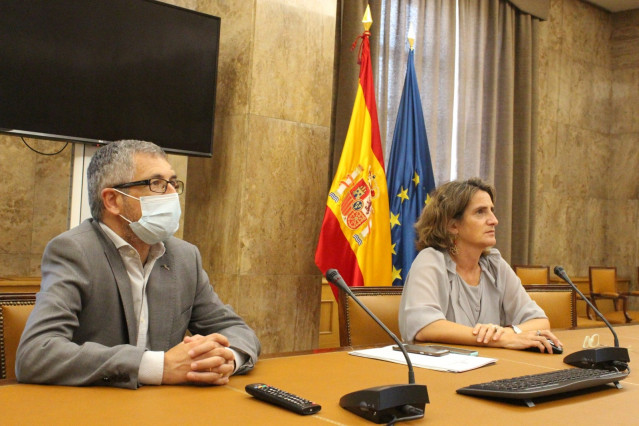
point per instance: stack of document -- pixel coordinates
(452, 362)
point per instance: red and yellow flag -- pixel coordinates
(355, 237)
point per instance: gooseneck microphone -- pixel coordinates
(383, 404)
(335, 278)
(609, 358)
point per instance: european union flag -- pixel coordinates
(410, 174)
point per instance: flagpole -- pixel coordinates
(410, 171)
(355, 237)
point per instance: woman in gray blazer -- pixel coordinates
(459, 289)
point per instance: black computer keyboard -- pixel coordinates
(544, 384)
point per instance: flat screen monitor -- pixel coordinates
(96, 71)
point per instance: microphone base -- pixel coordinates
(607, 358)
(390, 403)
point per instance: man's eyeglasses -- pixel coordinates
(158, 185)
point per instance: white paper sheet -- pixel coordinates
(455, 363)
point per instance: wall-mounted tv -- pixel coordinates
(96, 71)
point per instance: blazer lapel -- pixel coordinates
(161, 299)
(122, 281)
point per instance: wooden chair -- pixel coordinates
(356, 327)
(603, 285)
(633, 293)
(634, 315)
(533, 274)
(558, 302)
(14, 311)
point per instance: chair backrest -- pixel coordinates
(558, 302)
(356, 327)
(603, 280)
(14, 311)
(533, 274)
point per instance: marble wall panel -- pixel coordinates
(590, 102)
(14, 264)
(236, 46)
(597, 157)
(15, 231)
(552, 31)
(570, 232)
(625, 40)
(35, 269)
(294, 42)
(589, 176)
(625, 100)
(632, 270)
(51, 196)
(595, 235)
(18, 173)
(622, 244)
(624, 176)
(572, 177)
(284, 201)
(586, 32)
(16, 211)
(549, 170)
(228, 289)
(624, 48)
(575, 209)
(564, 102)
(624, 170)
(279, 328)
(35, 194)
(629, 18)
(551, 242)
(306, 329)
(549, 81)
(214, 197)
(585, 233)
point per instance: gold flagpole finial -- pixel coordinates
(411, 36)
(367, 20)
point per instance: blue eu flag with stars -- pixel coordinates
(410, 174)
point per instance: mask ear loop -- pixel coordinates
(130, 196)
(124, 193)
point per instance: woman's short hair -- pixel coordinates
(114, 164)
(447, 202)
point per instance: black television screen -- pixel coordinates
(101, 70)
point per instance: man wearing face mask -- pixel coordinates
(119, 292)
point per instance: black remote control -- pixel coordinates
(283, 399)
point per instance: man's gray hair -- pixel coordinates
(113, 164)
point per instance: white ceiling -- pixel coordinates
(616, 5)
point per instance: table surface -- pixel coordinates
(324, 377)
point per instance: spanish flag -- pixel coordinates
(355, 236)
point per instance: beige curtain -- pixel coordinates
(497, 100)
(434, 31)
(434, 22)
(496, 94)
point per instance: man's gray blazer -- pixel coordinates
(83, 329)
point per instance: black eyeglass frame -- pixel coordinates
(179, 188)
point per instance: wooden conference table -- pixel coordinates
(324, 378)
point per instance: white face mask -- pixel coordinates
(160, 217)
